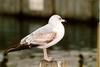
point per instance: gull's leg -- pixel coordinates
(46, 55)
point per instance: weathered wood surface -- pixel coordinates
(98, 45)
(61, 63)
(48, 64)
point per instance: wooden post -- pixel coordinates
(61, 63)
(98, 45)
(64, 64)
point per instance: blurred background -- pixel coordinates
(18, 18)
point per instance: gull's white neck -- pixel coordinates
(58, 27)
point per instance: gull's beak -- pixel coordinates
(63, 20)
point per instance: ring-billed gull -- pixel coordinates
(44, 37)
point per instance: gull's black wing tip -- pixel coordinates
(18, 48)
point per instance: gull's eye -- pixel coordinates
(60, 18)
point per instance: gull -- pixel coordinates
(44, 37)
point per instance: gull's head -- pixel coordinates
(55, 19)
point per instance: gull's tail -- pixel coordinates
(19, 47)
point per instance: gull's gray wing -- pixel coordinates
(41, 36)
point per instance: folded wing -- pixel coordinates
(39, 38)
